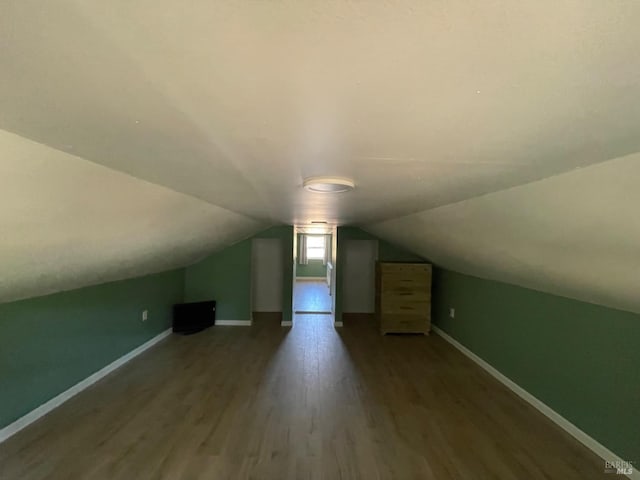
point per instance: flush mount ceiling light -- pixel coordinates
(328, 184)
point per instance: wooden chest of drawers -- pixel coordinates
(403, 297)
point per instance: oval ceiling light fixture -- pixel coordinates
(328, 184)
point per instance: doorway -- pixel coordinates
(314, 272)
(312, 292)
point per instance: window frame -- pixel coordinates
(316, 252)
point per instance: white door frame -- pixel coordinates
(319, 230)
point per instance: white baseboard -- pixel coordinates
(338, 323)
(59, 399)
(233, 323)
(286, 323)
(589, 442)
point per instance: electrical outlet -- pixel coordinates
(452, 312)
(145, 315)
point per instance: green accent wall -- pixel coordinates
(387, 252)
(50, 343)
(580, 359)
(315, 268)
(225, 277)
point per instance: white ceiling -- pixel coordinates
(68, 223)
(424, 104)
(575, 234)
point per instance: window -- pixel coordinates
(315, 247)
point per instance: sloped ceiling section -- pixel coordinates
(424, 103)
(429, 105)
(69, 223)
(575, 234)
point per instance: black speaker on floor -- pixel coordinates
(193, 317)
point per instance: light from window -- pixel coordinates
(315, 247)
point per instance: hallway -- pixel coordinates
(312, 296)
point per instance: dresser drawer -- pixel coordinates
(405, 268)
(414, 282)
(400, 306)
(406, 294)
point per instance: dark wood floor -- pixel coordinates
(310, 402)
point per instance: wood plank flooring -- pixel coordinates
(312, 297)
(307, 403)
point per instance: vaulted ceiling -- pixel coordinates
(137, 136)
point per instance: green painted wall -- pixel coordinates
(50, 343)
(386, 253)
(315, 268)
(580, 359)
(225, 277)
